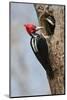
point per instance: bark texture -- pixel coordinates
(55, 43)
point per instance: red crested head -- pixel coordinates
(30, 28)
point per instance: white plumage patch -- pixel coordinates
(34, 44)
(50, 21)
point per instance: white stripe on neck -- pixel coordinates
(34, 44)
(50, 21)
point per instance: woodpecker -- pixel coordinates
(50, 24)
(40, 48)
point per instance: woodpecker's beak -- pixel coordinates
(38, 28)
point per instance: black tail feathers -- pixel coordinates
(50, 73)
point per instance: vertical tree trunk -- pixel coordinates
(56, 45)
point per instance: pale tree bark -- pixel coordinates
(55, 44)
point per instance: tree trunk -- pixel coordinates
(55, 44)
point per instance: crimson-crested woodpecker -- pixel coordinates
(40, 47)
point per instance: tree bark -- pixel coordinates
(55, 44)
